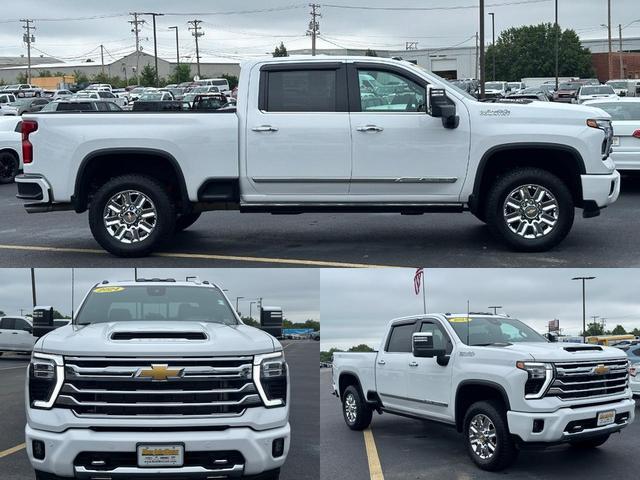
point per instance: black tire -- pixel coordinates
(185, 221)
(505, 451)
(163, 225)
(593, 442)
(363, 412)
(9, 167)
(559, 194)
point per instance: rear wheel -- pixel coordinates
(531, 209)
(590, 442)
(185, 221)
(357, 414)
(131, 215)
(9, 166)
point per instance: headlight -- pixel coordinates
(46, 376)
(601, 124)
(270, 375)
(539, 378)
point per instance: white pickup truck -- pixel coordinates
(156, 379)
(317, 135)
(496, 380)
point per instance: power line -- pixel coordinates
(429, 9)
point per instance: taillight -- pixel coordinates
(28, 127)
(636, 134)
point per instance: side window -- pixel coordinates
(301, 91)
(440, 338)
(102, 106)
(8, 323)
(400, 339)
(636, 352)
(382, 91)
(22, 324)
(113, 107)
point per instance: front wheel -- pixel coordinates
(489, 442)
(593, 442)
(357, 414)
(131, 215)
(9, 166)
(531, 209)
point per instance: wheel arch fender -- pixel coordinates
(470, 391)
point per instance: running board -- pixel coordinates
(402, 208)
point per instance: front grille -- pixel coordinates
(579, 380)
(174, 387)
(106, 461)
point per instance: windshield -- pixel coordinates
(154, 303)
(569, 86)
(620, 110)
(597, 90)
(514, 84)
(151, 96)
(617, 84)
(493, 330)
(493, 85)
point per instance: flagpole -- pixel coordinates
(424, 293)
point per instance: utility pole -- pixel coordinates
(620, 37)
(609, 30)
(475, 72)
(28, 38)
(102, 57)
(195, 27)
(155, 43)
(177, 46)
(493, 44)
(237, 307)
(557, 45)
(314, 26)
(136, 31)
(482, 49)
(584, 306)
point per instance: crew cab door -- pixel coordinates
(392, 366)
(399, 152)
(429, 384)
(298, 138)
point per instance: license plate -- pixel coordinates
(160, 455)
(606, 418)
(616, 141)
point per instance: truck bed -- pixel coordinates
(360, 364)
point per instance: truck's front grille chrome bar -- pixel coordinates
(589, 379)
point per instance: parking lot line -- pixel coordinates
(12, 450)
(13, 368)
(375, 469)
(203, 256)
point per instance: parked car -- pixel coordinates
(101, 95)
(624, 88)
(522, 170)
(24, 90)
(224, 404)
(159, 106)
(567, 92)
(6, 98)
(10, 149)
(155, 96)
(25, 105)
(530, 93)
(625, 116)
(515, 87)
(194, 92)
(209, 102)
(16, 335)
(100, 87)
(495, 89)
(495, 379)
(593, 92)
(76, 105)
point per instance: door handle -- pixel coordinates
(369, 128)
(381, 362)
(413, 364)
(14, 333)
(264, 128)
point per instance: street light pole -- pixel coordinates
(493, 44)
(482, 69)
(620, 37)
(237, 307)
(557, 46)
(155, 43)
(584, 306)
(177, 46)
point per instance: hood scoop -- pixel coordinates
(124, 336)
(593, 348)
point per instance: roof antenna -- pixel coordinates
(468, 322)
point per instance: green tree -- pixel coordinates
(636, 332)
(45, 73)
(371, 53)
(280, 51)
(529, 51)
(251, 322)
(80, 77)
(57, 315)
(594, 328)
(181, 73)
(619, 330)
(361, 348)
(2, 314)
(148, 76)
(22, 78)
(327, 357)
(232, 79)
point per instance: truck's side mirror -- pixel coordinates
(441, 106)
(422, 346)
(42, 321)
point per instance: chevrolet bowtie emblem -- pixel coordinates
(601, 369)
(160, 372)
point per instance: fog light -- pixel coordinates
(38, 449)
(538, 425)
(277, 448)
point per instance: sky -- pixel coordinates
(356, 305)
(295, 290)
(72, 30)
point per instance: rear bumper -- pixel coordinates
(601, 190)
(35, 190)
(626, 160)
(61, 450)
(556, 423)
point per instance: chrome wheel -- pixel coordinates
(482, 436)
(130, 216)
(350, 409)
(531, 211)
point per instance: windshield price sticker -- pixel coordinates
(459, 320)
(108, 289)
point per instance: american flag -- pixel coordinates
(417, 280)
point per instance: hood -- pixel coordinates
(561, 352)
(157, 338)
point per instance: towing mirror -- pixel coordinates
(441, 106)
(42, 321)
(422, 346)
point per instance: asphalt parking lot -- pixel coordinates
(411, 449)
(304, 455)
(323, 240)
